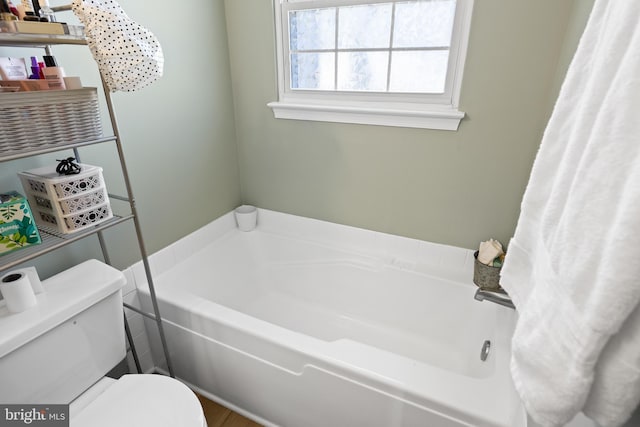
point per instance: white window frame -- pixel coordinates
(428, 111)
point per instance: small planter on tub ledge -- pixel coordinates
(486, 276)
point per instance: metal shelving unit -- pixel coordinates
(52, 241)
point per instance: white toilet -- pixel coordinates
(59, 352)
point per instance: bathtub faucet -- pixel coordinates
(498, 297)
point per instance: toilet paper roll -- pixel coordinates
(34, 278)
(17, 291)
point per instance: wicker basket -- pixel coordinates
(45, 119)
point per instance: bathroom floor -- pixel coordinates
(219, 416)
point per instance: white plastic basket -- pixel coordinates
(67, 203)
(75, 222)
(73, 204)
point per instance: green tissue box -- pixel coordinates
(17, 229)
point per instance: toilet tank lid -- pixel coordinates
(65, 295)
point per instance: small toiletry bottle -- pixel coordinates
(21, 12)
(13, 9)
(31, 10)
(5, 12)
(53, 74)
(28, 6)
(35, 69)
(46, 11)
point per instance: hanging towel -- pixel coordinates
(128, 55)
(616, 388)
(573, 264)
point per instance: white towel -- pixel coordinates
(573, 265)
(616, 388)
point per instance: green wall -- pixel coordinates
(577, 21)
(201, 140)
(178, 134)
(457, 188)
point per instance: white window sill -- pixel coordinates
(441, 118)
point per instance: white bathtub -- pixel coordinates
(306, 323)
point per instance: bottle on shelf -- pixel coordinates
(5, 11)
(52, 73)
(46, 11)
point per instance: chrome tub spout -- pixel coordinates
(496, 296)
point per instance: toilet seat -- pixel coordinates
(143, 400)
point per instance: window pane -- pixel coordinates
(312, 71)
(312, 29)
(362, 71)
(366, 26)
(424, 23)
(419, 71)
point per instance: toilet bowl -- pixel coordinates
(60, 351)
(137, 400)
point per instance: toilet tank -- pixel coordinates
(54, 351)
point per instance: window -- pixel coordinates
(396, 63)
